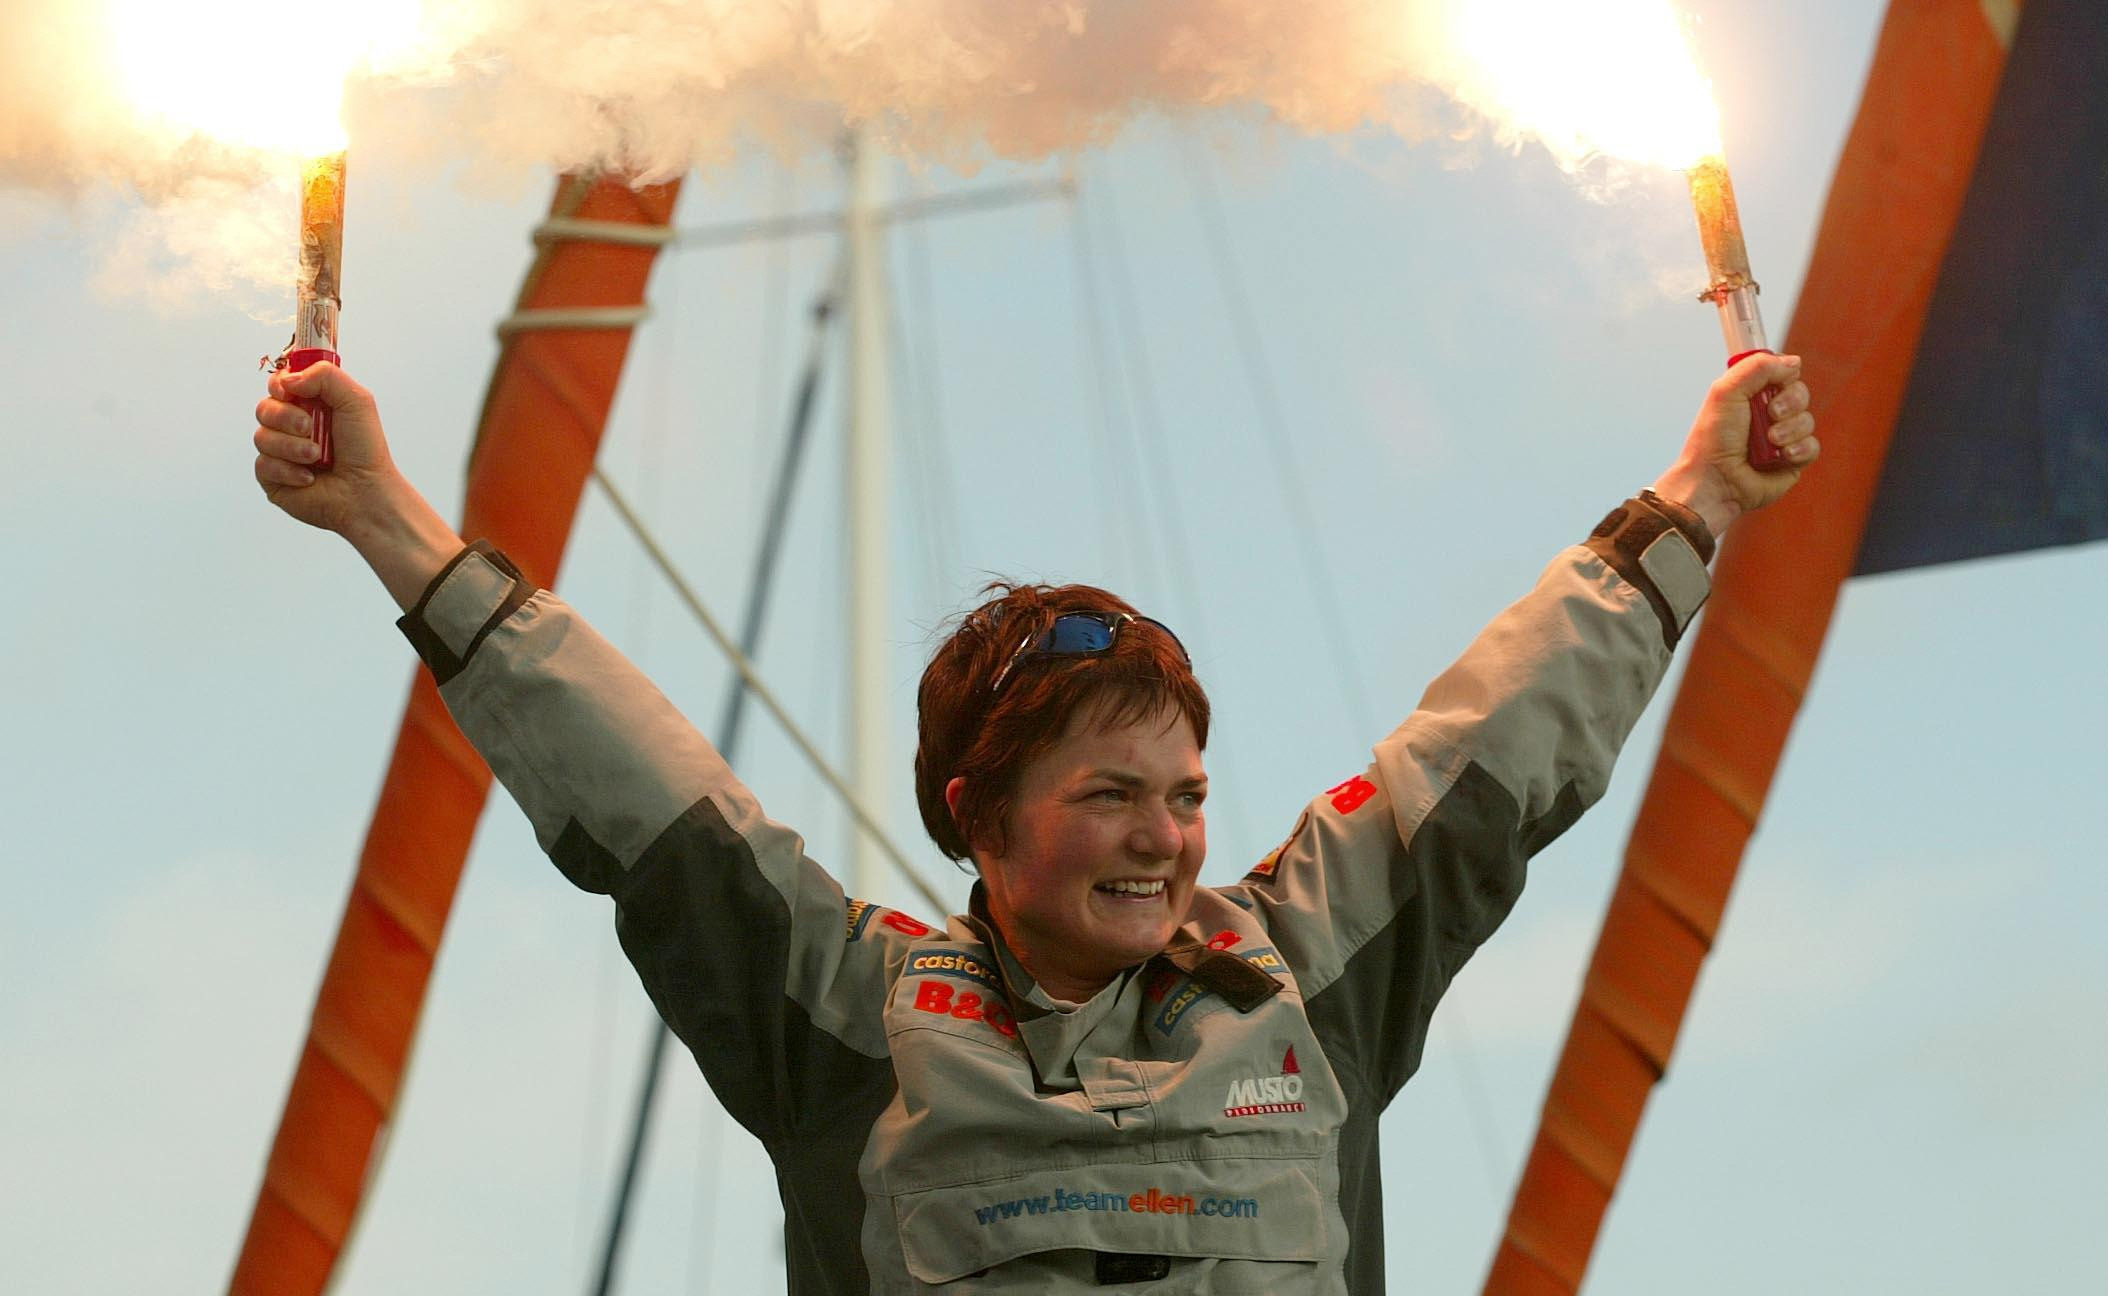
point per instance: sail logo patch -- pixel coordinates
(1272, 1095)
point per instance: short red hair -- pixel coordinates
(966, 730)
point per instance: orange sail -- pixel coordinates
(541, 426)
(1899, 186)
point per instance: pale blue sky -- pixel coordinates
(1890, 1078)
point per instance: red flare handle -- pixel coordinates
(1763, 455)
(318, 412)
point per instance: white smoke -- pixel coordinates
(658, 88)
(654, 88)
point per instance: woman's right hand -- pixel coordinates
(363, 497)
(364, 475)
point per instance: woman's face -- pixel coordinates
(1104, 842)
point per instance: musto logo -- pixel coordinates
(1268, 1095)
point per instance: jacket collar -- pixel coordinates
(1053, 1030)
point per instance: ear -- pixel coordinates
(953, 791)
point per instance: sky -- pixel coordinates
(1889, 1078)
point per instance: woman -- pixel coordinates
(1102, 1074)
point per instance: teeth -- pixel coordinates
(1133, 888)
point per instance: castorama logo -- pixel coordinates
(1268, 1095)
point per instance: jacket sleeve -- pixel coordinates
(1394, 877)
(752, 954)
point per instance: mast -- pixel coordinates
(865, 483)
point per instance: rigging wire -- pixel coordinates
(1146, 423)
(1244, 328)
(775, 294)
(669, 337)
(935, 444)
(1485, 1124)
(746, 683)
(781, 226)
(774, 298)
(769, 701)
(709, 1149)
(1126, 473)
(905, 369)
(1148, 432)
(1485, 1127)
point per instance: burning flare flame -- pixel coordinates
(1608, 77)
(244, 76)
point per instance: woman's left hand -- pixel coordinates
(1713, 476)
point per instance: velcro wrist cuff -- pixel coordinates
(1643, 543)
(1686, 520)
(467, 600)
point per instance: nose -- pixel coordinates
(1158, 835)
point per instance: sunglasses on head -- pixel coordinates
(1079, 634)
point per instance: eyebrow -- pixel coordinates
(1129, 779)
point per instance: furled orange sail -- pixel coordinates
(1899, 186)
(541, 425)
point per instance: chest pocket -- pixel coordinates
(1263, 1224)
(989, 1173)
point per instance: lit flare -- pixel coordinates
(317, 295)
(1617, 78)
(211, 70)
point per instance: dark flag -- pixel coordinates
(2001, 444)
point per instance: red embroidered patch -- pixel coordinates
(938, 998)
(1351, 795)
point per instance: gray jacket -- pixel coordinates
(1208, 1121)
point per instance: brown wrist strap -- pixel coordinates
(447, 659)
(1643, 543)
(1685, 519)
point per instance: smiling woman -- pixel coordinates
(1059, 749)
(1108, 840)
(1102, 1073)
(1008, 681)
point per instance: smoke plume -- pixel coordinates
(653, 88)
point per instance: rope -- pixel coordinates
(745, 667)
